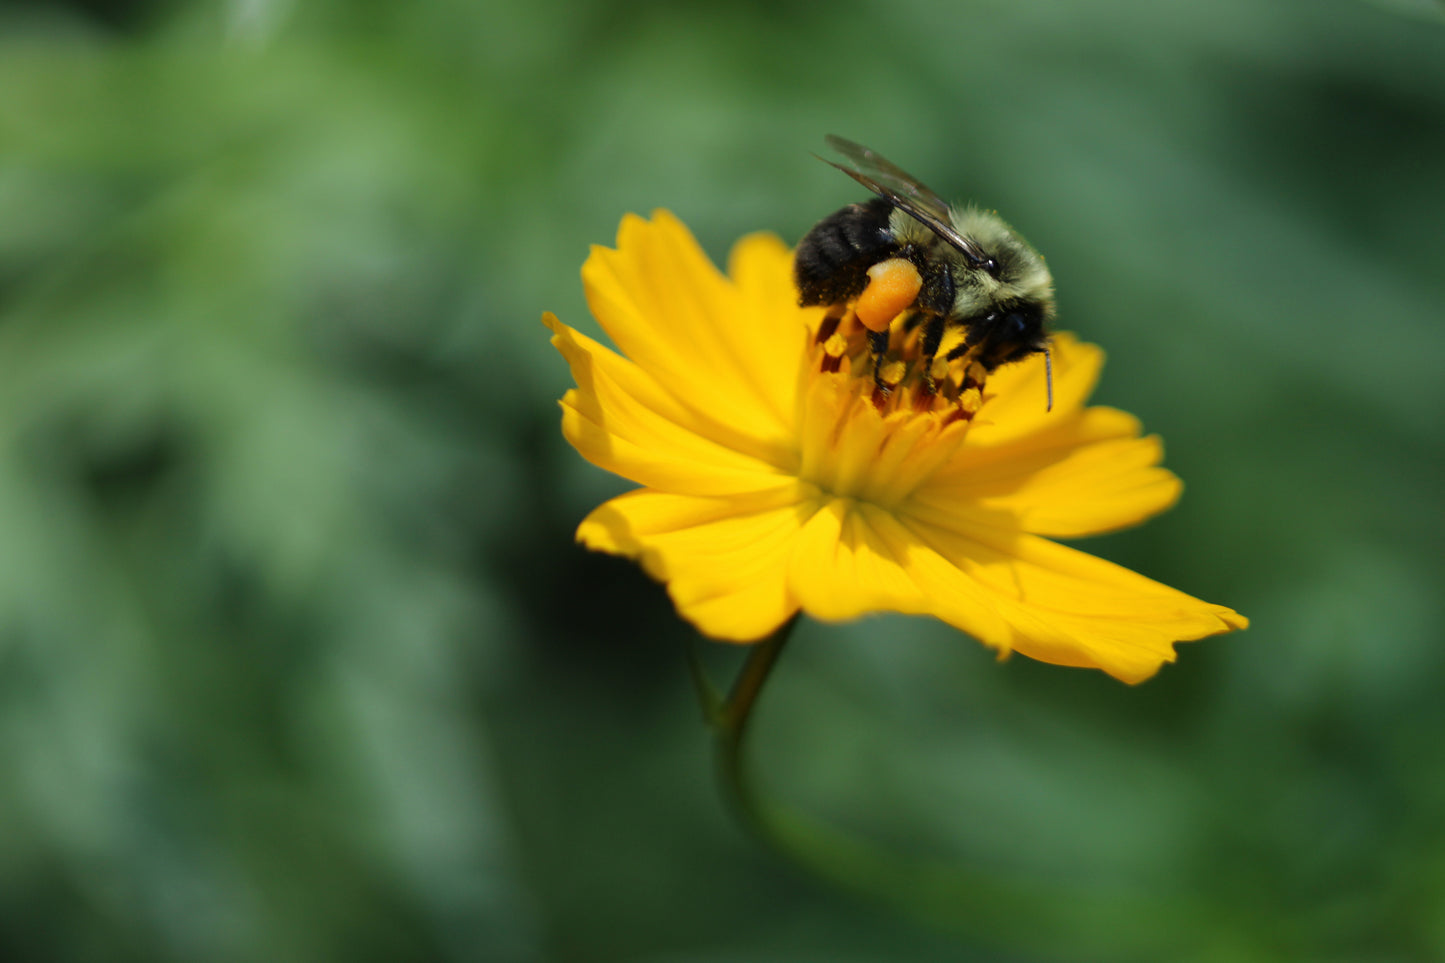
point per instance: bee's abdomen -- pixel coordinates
(831, 265)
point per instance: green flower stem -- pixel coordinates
(730, 722)
(1020, 910)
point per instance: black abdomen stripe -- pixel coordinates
(832, 261)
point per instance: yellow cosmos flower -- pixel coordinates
(778, 478)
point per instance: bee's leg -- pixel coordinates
(969, 342)
(878, 347)
(976, 336)
(932, 337)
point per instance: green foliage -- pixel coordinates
(298, 659)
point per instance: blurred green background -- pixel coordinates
(298, 660)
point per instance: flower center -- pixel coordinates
(876, 427)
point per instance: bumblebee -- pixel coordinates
(908, 251)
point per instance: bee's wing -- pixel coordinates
(888, 180)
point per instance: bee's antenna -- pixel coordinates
(1049, 375)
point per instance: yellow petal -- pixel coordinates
(761, 267)
(853, 558)
(725, 561)
(1070, 608)
(619, 419)
(1068, 431)
(946, 592)
(670, 311)
(842, 568)
(1064, 483)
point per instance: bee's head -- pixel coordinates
(1010, 332)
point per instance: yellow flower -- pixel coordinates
(778, 478)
